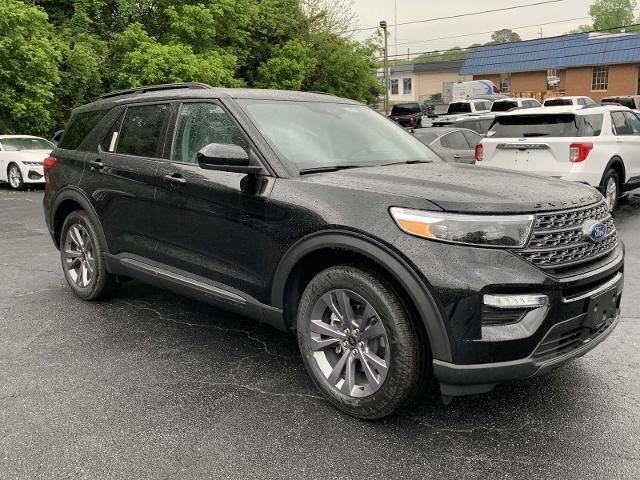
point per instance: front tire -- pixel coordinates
(14, 176)
(82, 256)
(611, 189)
(358, 342)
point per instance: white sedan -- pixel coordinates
(21, 159)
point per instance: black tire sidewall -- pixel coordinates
(21, 185)
(404, 373)
(611, 173)
(102, 281)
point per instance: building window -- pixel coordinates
(600, 78)
(553, 79)
(406, 86)
(394, 87)
(505, 82)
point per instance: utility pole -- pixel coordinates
(395, 27)
(383, 26)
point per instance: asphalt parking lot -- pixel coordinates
(153, 385)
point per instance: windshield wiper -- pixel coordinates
(329, 168)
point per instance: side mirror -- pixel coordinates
(227, 158)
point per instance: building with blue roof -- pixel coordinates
(591, 64)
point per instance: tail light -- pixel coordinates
(47, 164)
(412, 121)
(579, 152)
(479, 152)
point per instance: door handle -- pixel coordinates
(457, 156)
(96, 164)
(175, 179)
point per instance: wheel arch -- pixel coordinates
(66, 202)
(324, 249)
(617, 164)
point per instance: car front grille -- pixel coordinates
(558, 242)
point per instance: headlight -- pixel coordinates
(33, 164)
(480, 230)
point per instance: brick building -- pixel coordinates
(595, 65)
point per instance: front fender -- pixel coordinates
(390, 260)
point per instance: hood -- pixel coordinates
(31, 155)
(464, 188)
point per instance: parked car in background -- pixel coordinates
(629, 101)
(456, 145)
(597, 145)
(21, 159)
(407, 114)
(55, 138)
(567, 101)
(506, 104)
(316, 215)
(478, 123)
(462, 108)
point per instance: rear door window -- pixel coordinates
(141, 131)
(590, 125)
(633, 121)
(620, 125)
(531, 126)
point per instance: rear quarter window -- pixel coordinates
(80, 126)
(531, 126)
(590, 125)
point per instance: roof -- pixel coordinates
(197, 91)
(425, 67)
(579, 110)
(19, 136)
(553, 53)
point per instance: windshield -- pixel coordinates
(625, 102)
(459, 107)
(18, 144)
(558, 102)
(313, 135)
(405, 109)
(503, 106)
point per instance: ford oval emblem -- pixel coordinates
(594, 231)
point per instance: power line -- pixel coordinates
(511, 45)
(460, 15)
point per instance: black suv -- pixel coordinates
(407, 114)
(317, 215)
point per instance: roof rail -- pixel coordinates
(154, 88)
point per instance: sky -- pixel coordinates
(424, 37)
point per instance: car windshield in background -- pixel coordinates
(405, 109)
(19, 144)
(314, 135)
(558, 102)
(459, 107)
(503, 106)
(625, 102)
(546, 125)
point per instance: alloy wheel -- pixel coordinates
(15, 177)
(77, 253)
(611, 193)
(349, 343)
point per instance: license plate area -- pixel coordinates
(602, 308)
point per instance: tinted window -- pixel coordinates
(625, 102)
(459, 107)
(557, 102)
(529, 126)
(200, 124)
(472, 138)
(633, 121)
(503, 106)
(405, 109)
(456, 141)
(426, 136)
(590, 125)
(620, 124)
(141, 129)
(582, 101)
(79, 128)
(19, 144)
(111, 138)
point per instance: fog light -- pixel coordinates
(516, 301)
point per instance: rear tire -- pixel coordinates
(82, 256)
(611, 189)
(14, 177)
(370, 364)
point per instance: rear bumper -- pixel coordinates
(456, 380)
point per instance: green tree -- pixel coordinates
(451, 55)
(287, 68)
(505, 36)
(28, 69)
(611, 14)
